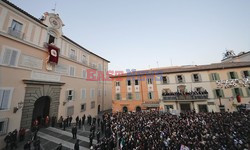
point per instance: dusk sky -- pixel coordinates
(136, 34)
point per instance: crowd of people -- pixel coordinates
(163, 131)
(153, 131)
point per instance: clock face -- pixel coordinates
(54, 22)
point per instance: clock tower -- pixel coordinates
(53, 22)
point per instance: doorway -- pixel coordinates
(202, 108)
(99, 109)
(41, 109)
(125, 109)
(185, 107)
(138, 109)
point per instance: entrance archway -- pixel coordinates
(41, 109)
(138, 109)
(125, 109)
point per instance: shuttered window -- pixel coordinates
(10, 57)
(5, 98)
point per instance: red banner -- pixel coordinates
(238, 98)
(53, 53)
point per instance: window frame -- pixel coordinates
(130, 96)
(5, 48)
(5, 126)
(70, 71)
(11, 89)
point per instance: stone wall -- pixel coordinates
(34, 90)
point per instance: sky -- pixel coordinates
(143, 34)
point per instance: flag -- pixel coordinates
(53, 53)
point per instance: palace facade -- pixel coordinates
(183, 88)
(43, 72)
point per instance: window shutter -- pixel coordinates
(200, 79)
(211, 77)
(247, 89)
(215, 96)
(192, 77)
(217, 76)
(6, 56)
(234, 94)
(228, 75)
(66, 95)
(73, 94)
(222, 93)
(241, 93)
(183, 79)
(176, 79)
(13, 58)
(236, 75)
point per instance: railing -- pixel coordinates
(185, 97)
(15, 33)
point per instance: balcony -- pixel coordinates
(15, 33)
(185, 96)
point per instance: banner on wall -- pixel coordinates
(53, 53)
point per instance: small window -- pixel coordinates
(72, 71)
(70, 111)
(92, 104)
(129, 82)
(149, 80)
(219, 93)
(117, 83)
(84, 74)
(136, 82)
(196, 77)
(118, 96)
(92, 93)
(72, 54)
(3, 125)
(16, 29)
(83, 94)
(10, 57)
(237, 91)
(5, 98)
(70, 95)
(137, 96)
(232, 75)
(246, 74)
(215, 76)
(180, 79)
(130, 96)
(51, 39)
(83, 107)
(150, 95)
(84, 59)
(164, 80)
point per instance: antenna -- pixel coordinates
(54, 8)
(157, 64)
(171, 61)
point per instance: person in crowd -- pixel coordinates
(98, 134)
(7, 140)
(53, 121)
(74, 131)
(13, 143)
(77, 120)
(65, 124)
(154, 130)
(98, 122)
(47, 120)
(77, 146)
(22, 132)
(60, 121)
(36, 144)
(70, 120)
(80, 123)
(83, 119)
(27, 145)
